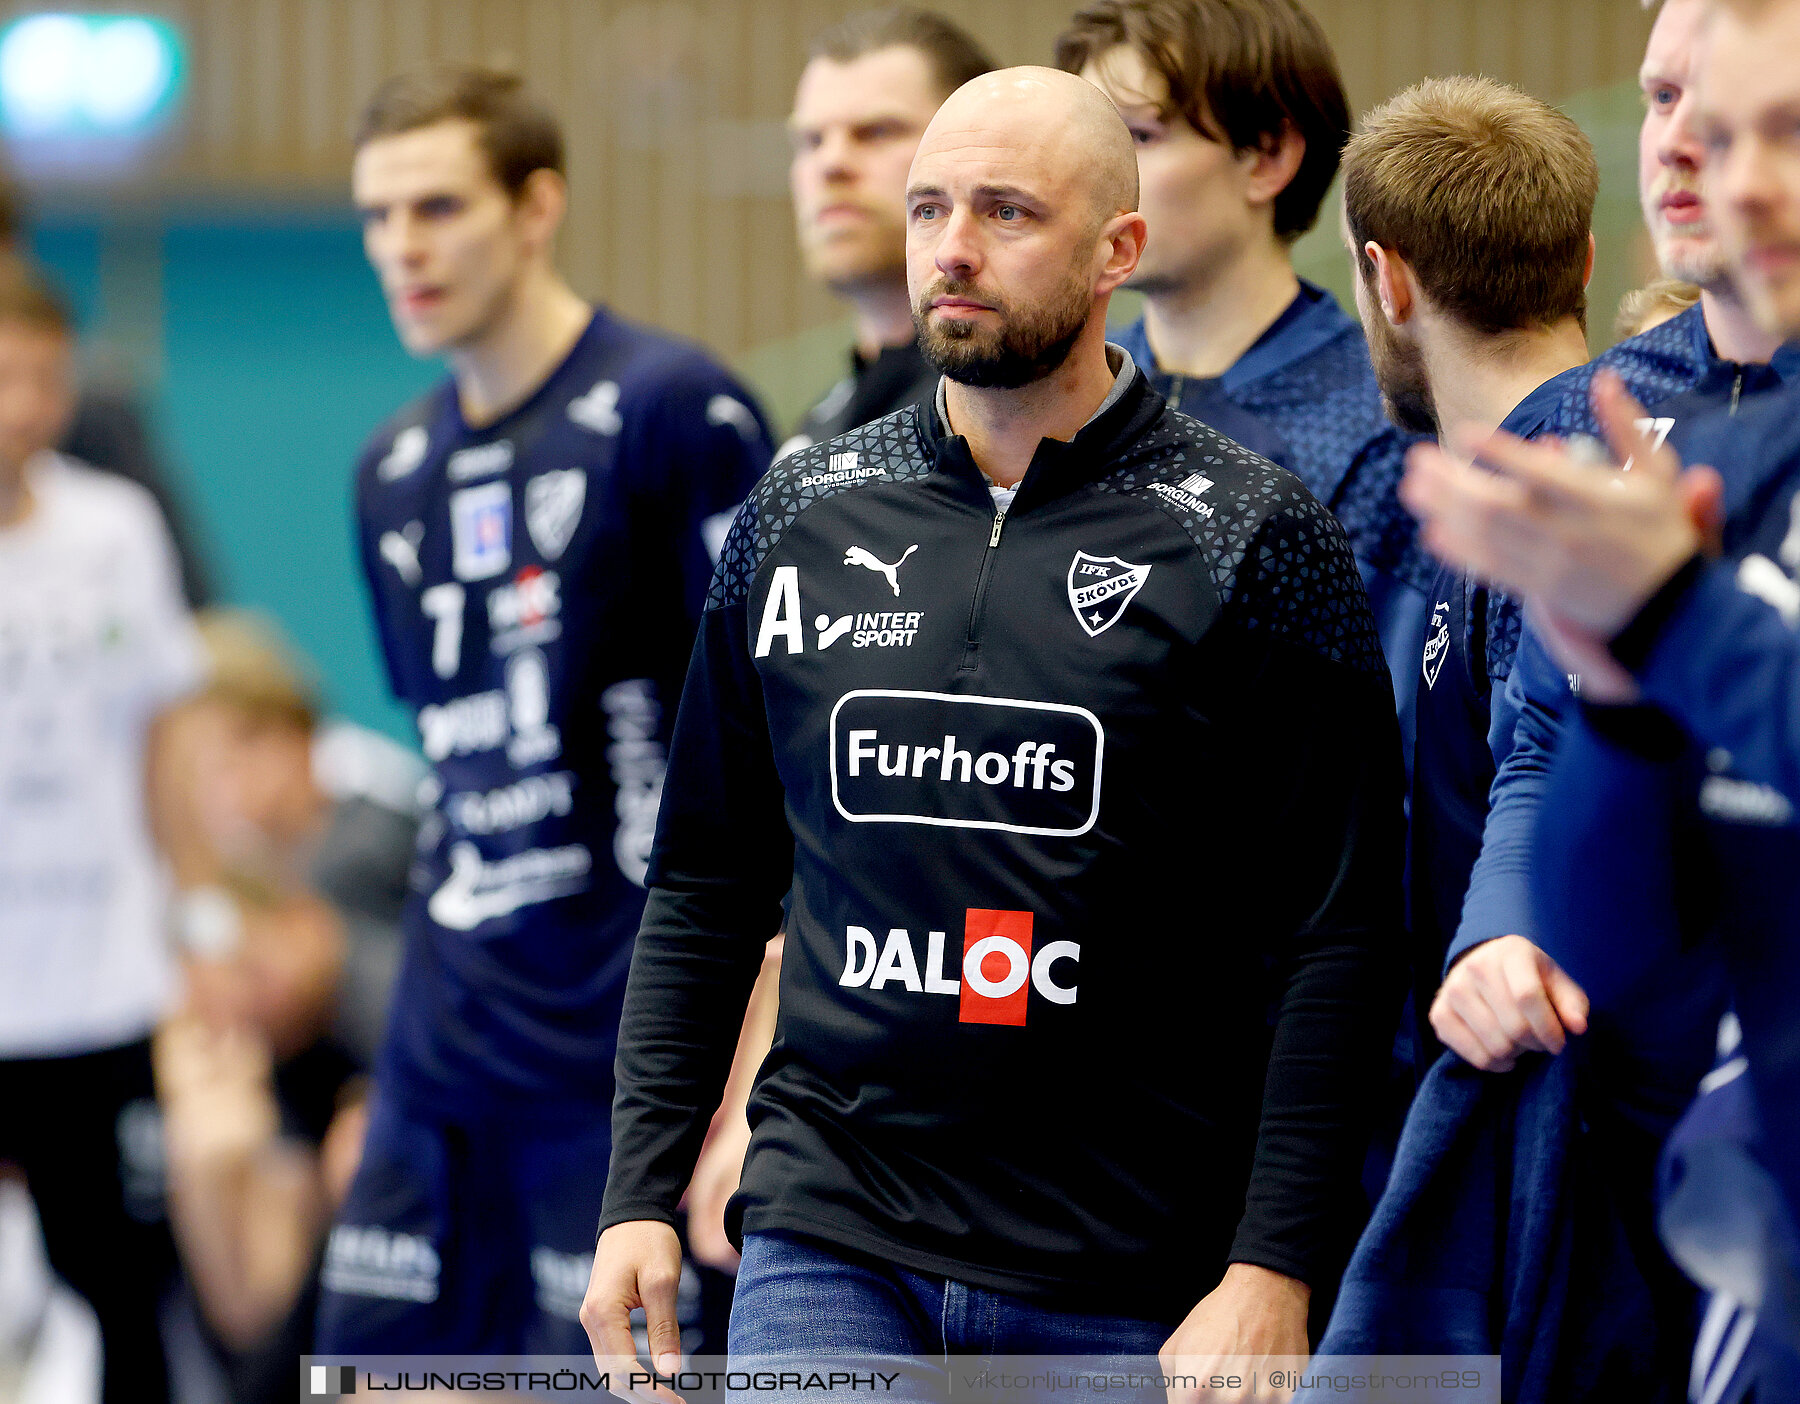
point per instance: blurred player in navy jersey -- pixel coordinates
(1238, 116)
(1665, 856)
(1501, 994)
(538, 534)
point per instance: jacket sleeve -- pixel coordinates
(722, 860)
(1530, 707)
(1620, 901)
(1716, 654)
(1330, 778)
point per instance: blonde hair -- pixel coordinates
(1652, 305)
(1485, 191)
(252, 668)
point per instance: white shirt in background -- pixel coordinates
(95, 639)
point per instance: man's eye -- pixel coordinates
(925, 212)
(1008, 212)
(1664, 96)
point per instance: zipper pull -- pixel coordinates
(999, 521)
(1737, 388)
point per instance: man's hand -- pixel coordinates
(1589, 546)
(1504, 998)
(1254, 1313)
(715, 1180)
(636, 1264)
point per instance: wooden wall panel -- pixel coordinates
(675, 108)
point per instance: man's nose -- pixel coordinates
(1739, 178)
(1679, 144)
(958, 250)
(834, 156)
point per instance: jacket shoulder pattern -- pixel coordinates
(886, 450)
(1329, 409)
(1278, 558)
(1655, 365)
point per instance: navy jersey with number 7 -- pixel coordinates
(536, 585)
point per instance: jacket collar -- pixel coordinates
(1130, 408)
(1311, 320)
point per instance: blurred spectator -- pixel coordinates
(871, 83)
(1652, 305)
(107, 430)
(291, 845)
(94, 642)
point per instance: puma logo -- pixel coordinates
(857, 556)
(400, 549)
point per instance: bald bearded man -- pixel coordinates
(1063, 720)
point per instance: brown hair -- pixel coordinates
(953, 53)
(517, 135)
(1486, 192)
(1240, 72)
(27, 296)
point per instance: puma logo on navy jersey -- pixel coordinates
(858, 556)
(400, 549)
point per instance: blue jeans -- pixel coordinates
(798, 1298)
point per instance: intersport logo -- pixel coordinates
(962, 762)
(999, 969)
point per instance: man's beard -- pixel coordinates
(1679, 254)
(1026, 347)
(1400, 375)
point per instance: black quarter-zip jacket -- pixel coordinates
(1091, 815)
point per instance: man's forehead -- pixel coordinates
(894, 81)
(447, 152)
(983, 170)
(1672, 51)
(1751, 66)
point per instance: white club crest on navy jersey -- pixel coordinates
(400, 549)
(598, 409)
(726, 409)
(553, 503)
(1437, 642)
(481, 530)
(1100, 587)
(406, 453)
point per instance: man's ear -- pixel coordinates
(1393, 284)
(1271, 167)
(1122, 238)
(539, 208)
